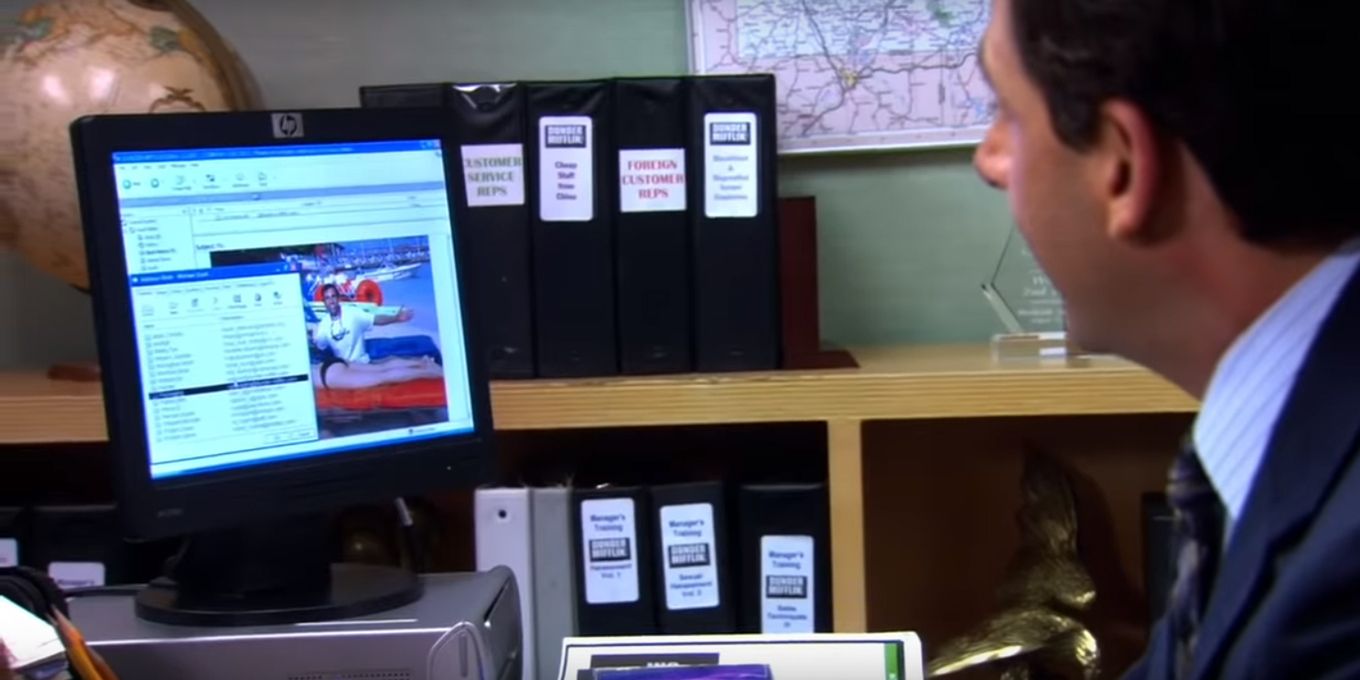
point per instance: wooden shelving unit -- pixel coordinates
(891, 384)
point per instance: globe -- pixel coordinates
(69, 58)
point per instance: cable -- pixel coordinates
(408, 526)
(404, 514)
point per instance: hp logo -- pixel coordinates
(287, 125)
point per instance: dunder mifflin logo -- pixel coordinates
(736, 134)
(610, 550)
(787, 587)
(564, 136)
(688, 555)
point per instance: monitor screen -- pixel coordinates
(291, 301)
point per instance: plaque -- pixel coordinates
(1029, 306)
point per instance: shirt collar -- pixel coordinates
(1254, 377)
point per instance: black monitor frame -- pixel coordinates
(269, 491)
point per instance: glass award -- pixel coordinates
(1029, 306)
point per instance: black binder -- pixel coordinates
(613, 564)
(652, 226)
(570, 201)
(735, 231)
(694, 593)
(402, 95)
(79, 546)
(493, 213)
(785, 558)
(13, 536)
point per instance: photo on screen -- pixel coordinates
(372, 330)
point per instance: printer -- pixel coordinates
(466, 626)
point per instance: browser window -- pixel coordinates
(292, 301)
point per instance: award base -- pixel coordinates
(1054, 346)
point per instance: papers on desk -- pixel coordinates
(29, 641)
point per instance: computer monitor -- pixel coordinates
(283, 329)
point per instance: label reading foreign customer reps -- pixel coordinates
(731, 171)
(786, 578)
(651, 180)
(689, 556)
(609, 550)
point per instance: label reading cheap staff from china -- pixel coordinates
(566, 172)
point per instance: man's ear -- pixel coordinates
(1130, 171)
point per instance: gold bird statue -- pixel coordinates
(1036, 635)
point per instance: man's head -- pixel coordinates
(1136, 137)
(330, 295)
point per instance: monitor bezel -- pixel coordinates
(223, 499)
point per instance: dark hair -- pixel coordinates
(331, 287)
(1251, 87)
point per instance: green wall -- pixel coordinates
(905, 238)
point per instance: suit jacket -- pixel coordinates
(1285, 602)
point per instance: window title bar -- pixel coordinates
(220, 153)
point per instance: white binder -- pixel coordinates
(554, 581)
(503, 521)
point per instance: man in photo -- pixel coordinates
(341, 330)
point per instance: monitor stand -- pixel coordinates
(270, 574)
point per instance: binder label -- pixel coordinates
(786, 577)
(566, 169)
(651, 180)
(608, 537)
(689, 554)
(493, 174)
(77, 574)
(9, 552)
(730, 165)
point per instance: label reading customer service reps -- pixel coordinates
(609, 549)
(690, 556)
(494, 174)
(731, 181)
(566, 169)
(786, 578)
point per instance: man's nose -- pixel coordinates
(992, 159)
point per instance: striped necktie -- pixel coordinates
(1198, 529)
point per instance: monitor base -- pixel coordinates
(354, 590)
(270, 574)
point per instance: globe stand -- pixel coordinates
(74, 371)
